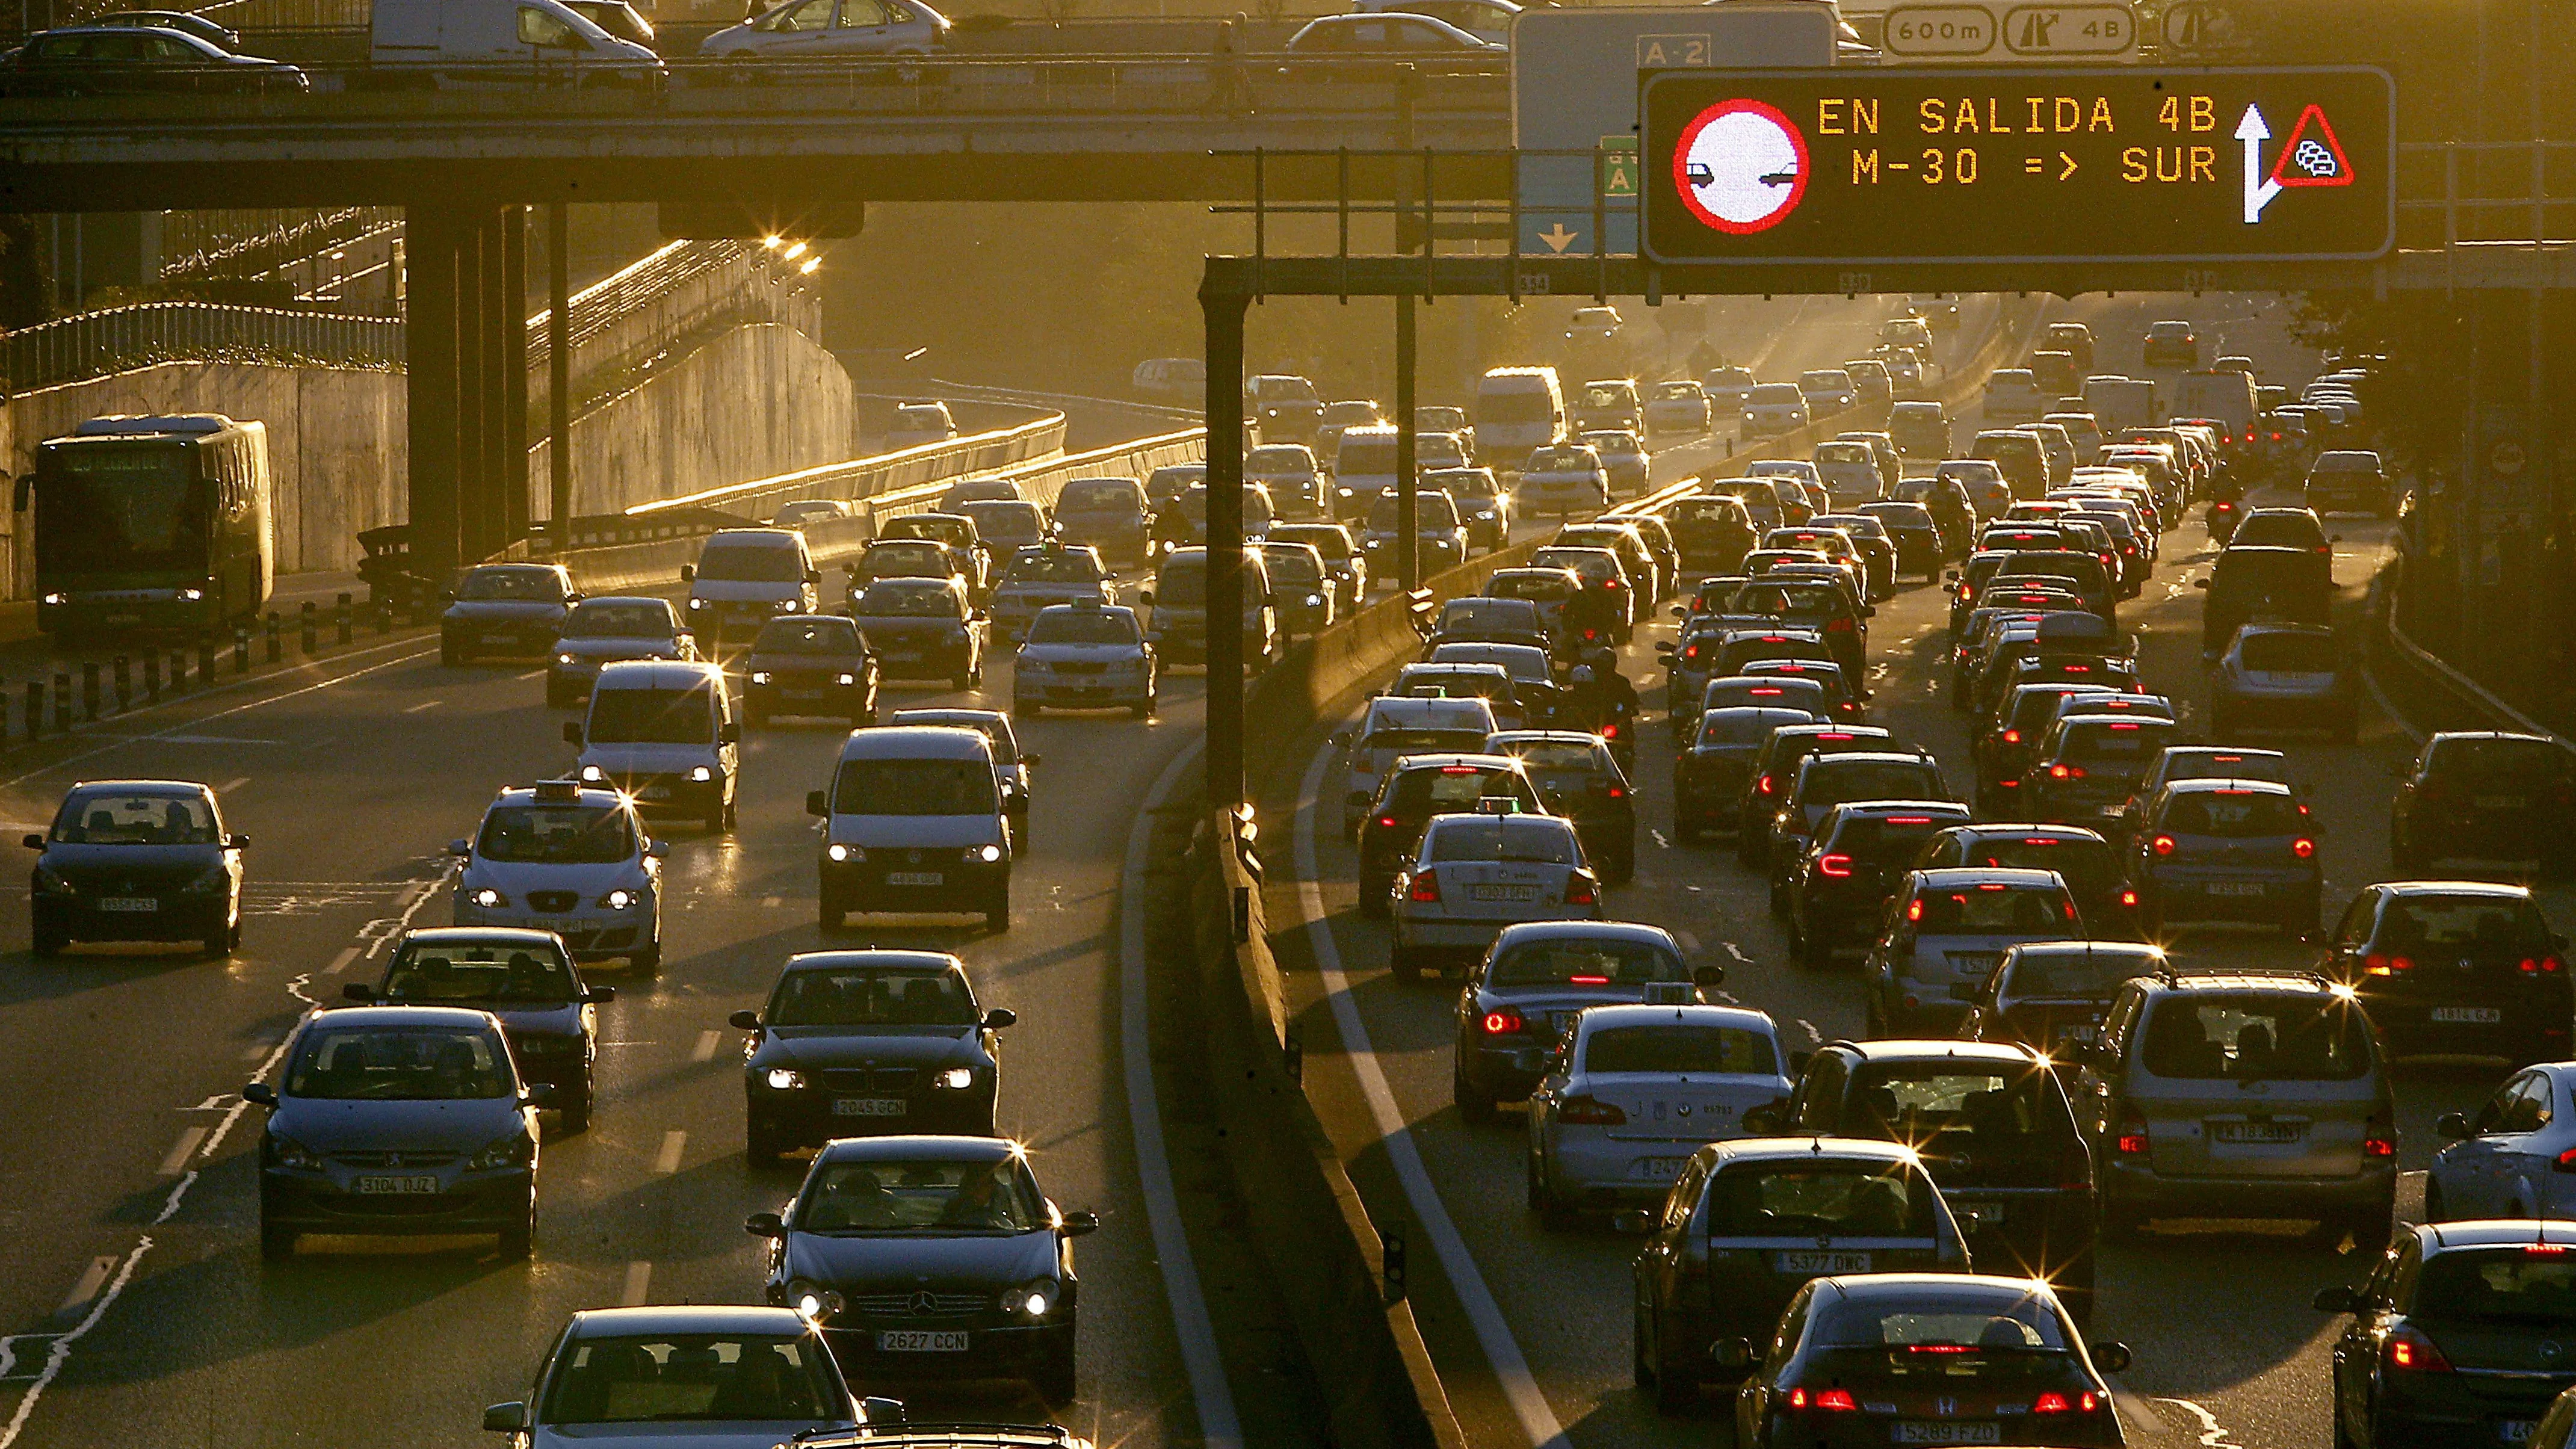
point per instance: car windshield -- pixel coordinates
(443, 972)
(1290, 460)
(1430, 511)
(2462, 923)
(557, 834)
(2088, 974)
(2211, 1036)
(399, 1064)
(928, 528)
(1576, 961)
(1680, 1047)
(914, 787)
(807, 636)
(651, 717)
(1983, 1322)
(1812, 1198)
(1464, 483)
(1290, 565)
(2288, 653)
(542, 584)
(103, 816)
(1608, 395)
(1097, 495)
(1004, 520)
(677, 1377)
(1561, 460)
(2529, 1285)
(908, 601)
(904, 558)
(915, 1196)
(2233, 814)
(1182, 584)
(1083, 626)
(1678, 392)
(1532, 841)
(1992, 908)
(871, 996)
(750, 563)
(619, 621)
(1056, 566)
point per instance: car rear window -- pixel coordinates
(1451, 789)
(2520, 761)
(1680, 1047)
(1533, 841)
(2200, 765)
(2115, 740)
(2087, 866)
(1952, 1111)
(1577, 961)
(2209, 1036)
(1886, 839)
(2231, 814)
(1518, 616)
(2292, 653)
(2417, 923)
(2070, 974)
(1809, 1199)
(1991, 908)
(1557, 754)
(1425, 742)
(1833, 782)
(1738, 726)
(1930, 1322)
(2531, 1287)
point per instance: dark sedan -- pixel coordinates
(100, 60)
(1578, 778)
(1920, 547)
(509, 610)
(922, 629)
(137, 860)
(804, 664)
(525, 978)
(856, 1042)
(1517, 1001)
(2456, 1337)
(2048, 994)
(931, 1257)
(401, 1120)
(2485, 796)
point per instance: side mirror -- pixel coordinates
(1732, 1354)
(1635, 1220)
(1664, 646)
(765, 1225)
(813, 576)
(2200, 583)
(1762, 1121)
(1341, 738)
(2336, 1298)
(511, 1418)
(2112, 1357)
(688, 573)
(2334, 538)
(1708, 978)
(34, 840)
(1000, 1017)
(2453, 1126)
(1077, 1224)
(360, 992)
(1949, 576)
(1798, 1062)
(1681, 611)
(575, 597)
(875, 1410)
(816, 804)
(746, 1020)
(729, 733)
(572, 734)
(657, 849)
(260, 1093)
(1145, 597)
(599, 995)
(236, 841)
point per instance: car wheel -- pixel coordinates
(2435, 1210)
(1676, 1387)
(519, 1237)
(2371, 1228)
(832, 913)
(964, 679)
(1640, 1372)
(1475, 1104)
(649, 960)
(221, 942)
(1143, 708)
(2116, 1219)
(1873, 1019)
(49, 943)
(718, 818)
(1779, 900)
(1555, 1215)
(1373, 893)
(975, 677)
(576, 1108)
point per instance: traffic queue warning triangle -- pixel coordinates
(2316, 160)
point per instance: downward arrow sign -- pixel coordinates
(1558, 238)
(2259, 189)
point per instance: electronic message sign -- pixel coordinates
(1854, 165)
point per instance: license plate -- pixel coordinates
(1657, 1169)
(580, 928)
(654, 792)
(2241, 888)
(2480, 1014)
(128, 903)
(387, 1186)
(868, 1107)
(2515, 1431)
(2081, 1032)
(2500, 802)
(917, 1340)
(1815, 1262)
(2270, 1134)
(1502, 893)
(125, 618)
(2114, 812)
(914, 877)
(1941, 1431)
(903, 656)
(800, 694)
(499, 639)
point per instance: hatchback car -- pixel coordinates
(2456, 1337)
(2455, 967)
(568, 860)
(1578, 777)
(398, 1120)
(1914, 1358)
(856, 1043)
(1711, 534)
(1838, 887)
(1018, 769)
(913, 821)
(2351, 480)
(1106, 514)
(1774, 770)
(2485, 795)
(601, 631)
(930, 1257)
(1825, 780)
(1710, 772)
(1474, 874)
(1484, 504)
(1394, 727)
(1300, 592)
(1623, 457)
(2082, 858)
(2242, 1096)
(1521, 998)
(2049, 995)
(809, 664)
(2285, 674)
(2087, 765)
(136, 860)
(1343, 564)
(1418, 787)
(714, 1375)
(1562, 479)
(1947, 929)
(1677, 409)
(923, 629)
(506, 610)
(1040, 576)
(1085, 656)
(526, 979)
(1747, 1222)
(2226, 850)
(1633, 1091)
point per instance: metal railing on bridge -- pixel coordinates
(117, 339)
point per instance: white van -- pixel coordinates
(1364, 462)
(448, 44)
(663, 732)
(2226, 396)
(2123, 402)
(1518, 409)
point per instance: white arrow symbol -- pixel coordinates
(2259, 189)
(1558, 238)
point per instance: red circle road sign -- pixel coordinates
(1741, 166)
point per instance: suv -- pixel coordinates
(1838, 886)
(2488, 788)
(2463, 966)
(1827, 780)
(1992, 1125)
(1522, 998)
(2226, 850)
(2240, 1096)
(2171, 344)
(2349, 479)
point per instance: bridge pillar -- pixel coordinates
(513, 321)
(475, 454)
(430, 386)
(467, 384)
(1223, 313)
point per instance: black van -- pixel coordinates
(2257, 581)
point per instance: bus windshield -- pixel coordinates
(102, 507)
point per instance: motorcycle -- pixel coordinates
(2222, 521)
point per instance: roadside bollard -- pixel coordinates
(62, 701)
(35, 708)
(308, 625)
(89, 689)
(276, 648)
(340, 619)
(124, 684)
(152, 677)
(205, 660)
(241, 649)
(383, 610)
(178, 668)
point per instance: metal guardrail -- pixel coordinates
(280, 244)
(116, 339)
(2466, 695)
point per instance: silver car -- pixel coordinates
(2509, 1159)
(1633, 1091)
(618, 1373)
(1473, 875)
(1085, 655)
(1562, 479)
(568, 860)
(1395, 727)
(1947, 930)
(802, 29)
(2284, 674)
(1623, 456)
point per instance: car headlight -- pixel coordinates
(760, 676)
(697, 603)
(1033, 1299)
(57, 599)
(488, 898)
(291, 1153)
(567, 660)
(619, 900)
(192, 596)
(700, 774)
(955, 1079)
(53, 884)
(813, 1300)
(987, 854)
(216, 878)
(845, 679)
(511, 1151)
(844, 852)
(594, 775)
(785, 1079)
(1314, 601)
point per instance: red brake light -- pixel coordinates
(1618, 792)
(2409, 1349)
(2053, 1402)
(1914, 910)
(1579, 891)
(1839, 1400)
(2131, 1140)
(1386, 822)
(2544, 1249)
(1589, 1112)
(1425, 888)
(2123, 725)
(1839, 626)
(1837, 866)
(1503, 1021)
(1610, 731)
(2066, 772)
(2012, 737)
(2129, 898)
(2377, 1142)
(2164, 845)
(1763, 786)
(2303, 847)
(2376, 964)
(1587, 980)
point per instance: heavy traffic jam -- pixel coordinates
(2104, 983)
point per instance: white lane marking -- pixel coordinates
(381, 932)
(705, 1051)
(176, 1160)
(1657, 836)
(639, 1284)
(230, 786)
(178, 1194)
(341, 962)
(1814, 1037)
(2211, 1434)
(257, 1050)
(62, 1349)
(674, 1142)
(773, 902)
(1493, 1332)
(92, 1278)
(426, 704)
(1219, 1424)
(1737, 952)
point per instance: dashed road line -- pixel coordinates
(176, 1161)
(341, 962)
(674, 1142)
(639, 1284)
(2210, 1434)
(708, 1041)
(426, 704)
(92, 1279)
